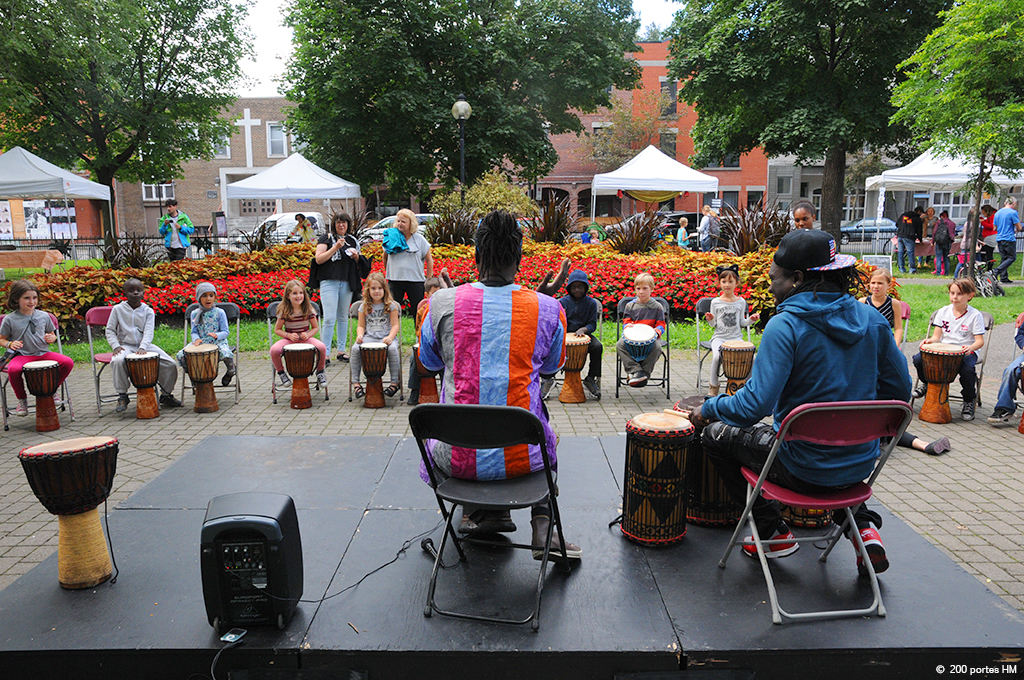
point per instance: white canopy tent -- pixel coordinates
(931, 172)
(24, 175)
(294, 177)
(650, 171)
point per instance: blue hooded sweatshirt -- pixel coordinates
(824, 347)
(582, 313)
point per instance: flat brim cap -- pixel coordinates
(810, 250)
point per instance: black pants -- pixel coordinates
(729, 448)
(174, 254)
(1008, 255)
(968, 375)
(594, 350)
(412, 289)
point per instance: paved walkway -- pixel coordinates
(969, 502)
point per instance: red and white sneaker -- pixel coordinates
(876, 551)
(774, 550)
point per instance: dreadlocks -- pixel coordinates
(499, 243)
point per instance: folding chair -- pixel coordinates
(271, 321)
(97, 317)
(663, 381)
(979, 368)
(5, 380)
(234, 314)
(483, 427)
(702, 307)
(837, 423)
(353, 313)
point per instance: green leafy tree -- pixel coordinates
(493, 191)
(964, 91)
(375, 81)
(631, 130)
(807, 77)
(122, 88)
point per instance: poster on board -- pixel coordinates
(45, 220)
(6, 222)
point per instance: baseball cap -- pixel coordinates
(811, 250)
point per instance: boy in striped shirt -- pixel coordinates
(643, 310)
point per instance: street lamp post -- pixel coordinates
(461, 111)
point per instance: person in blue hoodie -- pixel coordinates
(582, 314)
(821, 345)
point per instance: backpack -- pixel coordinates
(941, 236)
(714, 228)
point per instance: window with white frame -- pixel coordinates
(669, 89)
(222, 148)
(157, 192)
(277, 144)
(667, 143)
(958, 205)
(853, 204)
(784, 185)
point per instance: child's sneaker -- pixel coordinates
(876, 551)
(775, 550)
(967, 412)
(920, 390)
(545, 387)
(122, 403)
(283, 379)
(593, 385)
(321, 378)
(637, 379)
(22, 408)
(1000, 415)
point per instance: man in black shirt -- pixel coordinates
(908, 232)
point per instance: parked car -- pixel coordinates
(281, 225)
(868, 229)
(376, 231)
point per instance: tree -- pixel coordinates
(964, 92)
(492, 191)
(124, 89)
(375, 81)
(812, 78)
(631, 130)
(652, 33)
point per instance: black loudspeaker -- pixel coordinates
(251, 559)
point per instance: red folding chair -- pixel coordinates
(836, 423)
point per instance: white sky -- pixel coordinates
(273, 42)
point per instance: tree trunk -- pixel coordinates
(109, 230)
(832, 190)
(974, 221)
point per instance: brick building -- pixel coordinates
(259, 141)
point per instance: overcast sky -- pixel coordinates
(274, 42)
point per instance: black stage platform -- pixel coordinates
(623, 612)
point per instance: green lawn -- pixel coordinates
(15, 274)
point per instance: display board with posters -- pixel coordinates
(45, 220)
(6, 221)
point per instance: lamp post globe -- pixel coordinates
(461, 111)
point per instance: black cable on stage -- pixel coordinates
(110, 545)
(405, 546)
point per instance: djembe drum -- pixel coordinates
(639, 340)
(654, 498)
(300, 360)
(143, 370)
(375, 361)
(201, 366)
(576, 347)
(710, 504)
(940, 364)
(737, 362)
(812, 518)
(70, 478)
(428, 384)
(42, 379)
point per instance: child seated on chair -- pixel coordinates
(430, 286)
(29, 332)
(643, 310)
(296, 323)
(130, 329)
(582, 314)
(958, 324)
(379, 321)
(210, 326)
(727, 316)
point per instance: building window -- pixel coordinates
(731, 199)
(256, 207)
(222, 149)
(709, 198)
(157, 192)
(667, 144)
(754, 199)
(731, 160)
(668, 89)
(958, 205)
(803, 189)
(276, 142)
(784, 185)
(853, 205)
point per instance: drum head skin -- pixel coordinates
(639, 333)
(373, 345)
(298, 347)
(68, 446)
(199, 349)
(136, 356)
(940, 348)
(37, 365)
(738, 344)
(661, 423)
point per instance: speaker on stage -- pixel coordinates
(251, 560)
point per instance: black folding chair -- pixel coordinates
(484, 427)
